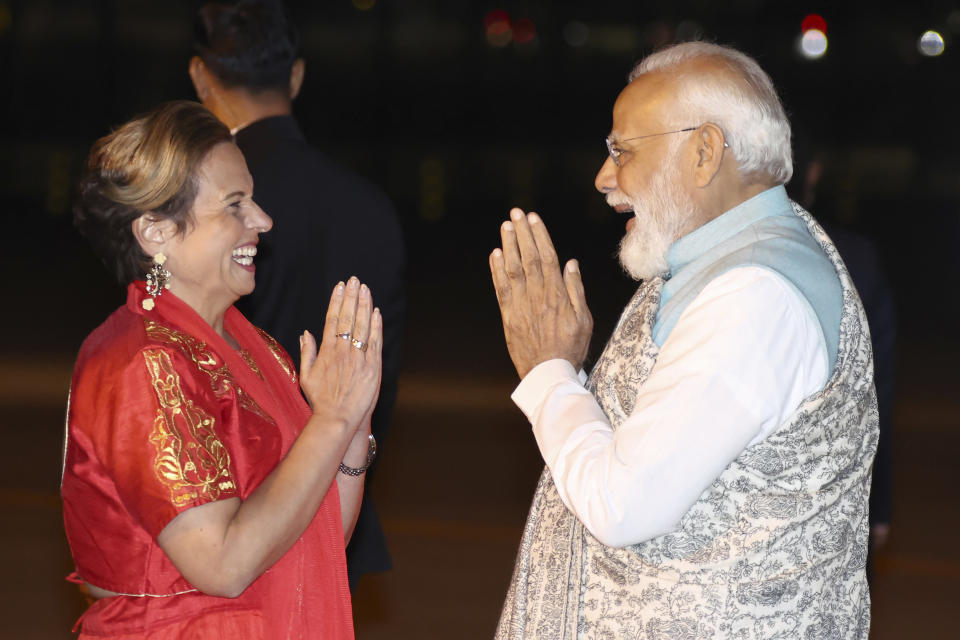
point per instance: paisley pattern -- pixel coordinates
(774, 548)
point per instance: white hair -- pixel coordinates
(743, 103)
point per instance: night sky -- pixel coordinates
(458, 119)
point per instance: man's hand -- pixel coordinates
(545, 315)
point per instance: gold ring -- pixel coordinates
(359, 344)
(345, 336)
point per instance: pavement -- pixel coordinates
(453, 485)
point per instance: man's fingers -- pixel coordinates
(511, 255)
(548, 255)
(574, 283)
(501, 284)
(529, 255)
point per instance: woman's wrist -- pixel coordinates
(356, 453)
(356, 471)
(332, 421)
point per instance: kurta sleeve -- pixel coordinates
(740, 360)
(161, 439)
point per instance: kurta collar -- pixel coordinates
(772, 202)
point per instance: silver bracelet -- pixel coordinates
(371, 456)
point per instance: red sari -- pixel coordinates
(163, 416)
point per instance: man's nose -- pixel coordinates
(606, 180)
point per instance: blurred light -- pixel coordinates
(497, 15)
(364, 5)
(6, 18)
(814, 22)
(576, 33)
(813, 44)
(930, 44)
(499, 33)
(524, 31)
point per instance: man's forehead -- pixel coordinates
(642, 103)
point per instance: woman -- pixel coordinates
(202, 497)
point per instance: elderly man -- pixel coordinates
(710, 478)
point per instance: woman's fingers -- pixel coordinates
(333, 314)
(308, 352)
(376, 335)
(375, 353)
(361, 327)
(348, 310)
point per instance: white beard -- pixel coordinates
(662, 215)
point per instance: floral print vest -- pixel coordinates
(775, 548)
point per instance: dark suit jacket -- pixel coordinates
(328, 224)
(863, 262)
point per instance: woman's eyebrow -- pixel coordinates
(232, 194)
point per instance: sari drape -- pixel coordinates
(164, 415)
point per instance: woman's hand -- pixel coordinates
(341, 380)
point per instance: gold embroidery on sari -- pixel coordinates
(221, 380)
(250, 362)
(191, 460)
(282, 358)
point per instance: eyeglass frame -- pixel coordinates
(615, 155)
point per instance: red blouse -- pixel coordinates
(165, 416)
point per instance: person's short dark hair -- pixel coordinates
(250, 43)
(149, 165)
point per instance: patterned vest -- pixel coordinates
(774, 548)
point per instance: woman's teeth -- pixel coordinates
(244, 255)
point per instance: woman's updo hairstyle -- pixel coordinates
(149, 165)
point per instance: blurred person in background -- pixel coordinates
(710, 478)
(820, 183)
(327, 220)
(202, 496)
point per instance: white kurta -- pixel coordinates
(738, 363)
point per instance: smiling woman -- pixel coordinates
(192, 462)
(211, 266)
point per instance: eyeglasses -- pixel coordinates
(615, 152)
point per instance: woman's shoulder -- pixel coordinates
(123, 339)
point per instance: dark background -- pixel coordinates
(456, 130)
(412, 94)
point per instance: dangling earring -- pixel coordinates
(158, 279)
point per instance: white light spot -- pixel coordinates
(931, 43)
(813, 44)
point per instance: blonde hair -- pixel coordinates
(148, 165)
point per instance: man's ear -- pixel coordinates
(200, 77)
(296, 77)
(153, 233)
(710, 146)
